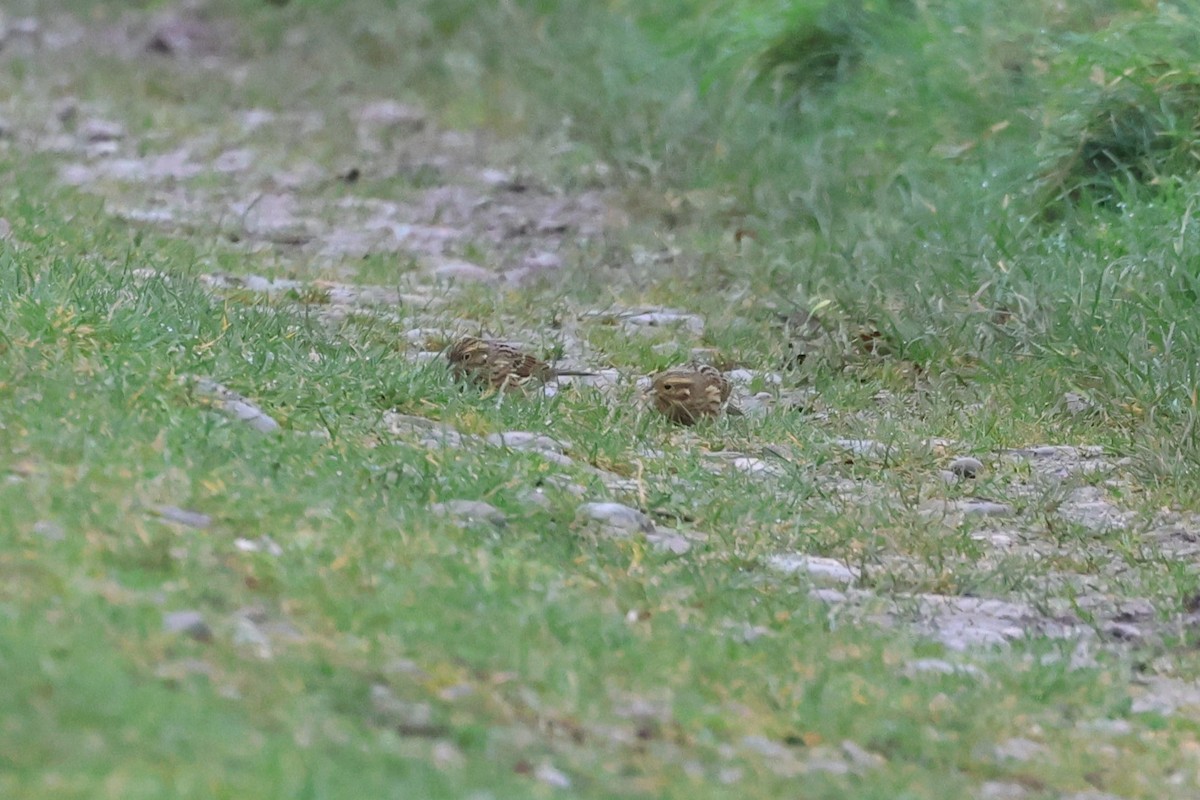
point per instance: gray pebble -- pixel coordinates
(192, 519)
(966, 467)
(619, 519)
(524, 440)
(984, 508)
(940, 667)
(826, 570)
(468, 512)
(190, 623)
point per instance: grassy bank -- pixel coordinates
(986, 208)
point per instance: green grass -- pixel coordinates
(912, 170)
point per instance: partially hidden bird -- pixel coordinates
(690, 393)
(499, 365)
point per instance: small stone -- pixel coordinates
(865, 448)
(190, 623)
(756, 466)
(248, 634)
(1123, 631)
(984, 508)
(766, 747)
(50, 531)
(524, 440)
(861, 757)
(535, 498)
(237, 160)
(453, 270)
(469, 512)
(826, 570)
(1001, 790)
(729, 775)
(5, 228)
(263, 544)
(620, 520)
(542, 261)
(551, 776)
(1018, 748)
(828, 596)
(408, 718)
(456, 692)
(939, 666)
(234, 404)
(181, 516)
(672, 319)
(756, 405)
(668, 541)
(1077, 404)
(101, 130)
(390, 114)
(446, 755)
(1107, 727)
(966, 467)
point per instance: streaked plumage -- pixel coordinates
(690, 393)
(499, 365)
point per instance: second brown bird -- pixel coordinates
(499, 365)
(691, 393)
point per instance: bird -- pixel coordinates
(499, 365)
(687, 394)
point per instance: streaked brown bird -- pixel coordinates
(690, 393)
(499, 365)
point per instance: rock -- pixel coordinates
(50, 531)
(1166, 696)
(614, 519)
(1001, 790)
(551, 776)
(860, 757)
(181, 516)
(669, 541)
(828, 596)
(237, 160)
(1106, 727)
(190, 623)
(542, 261)
(922, 666)
(233, 404)
(1077, 404)
(1019, 749)
(972, 507)
(756, 466)
(864, 448)
(454, 270)
(826, 570)
(1123, 631)
(963, 622)
(524, 440)
(248, 634)
(674, 319)
(1089, 507)
(969, 507)
(470, 512)
(101, 130)
(388, 114)
(408, 718)
(966, 467)
(263, 544)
